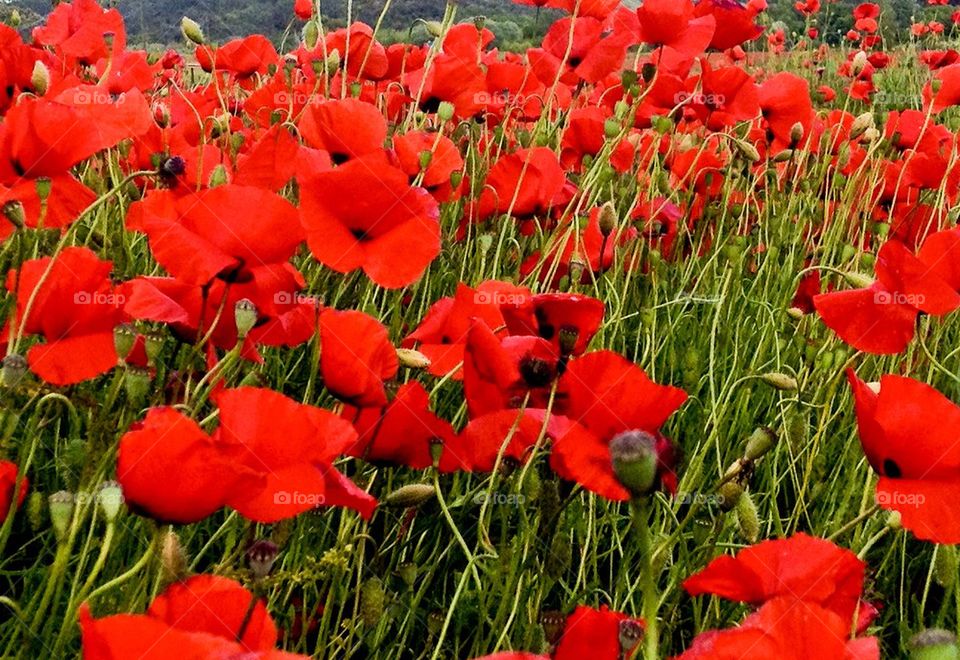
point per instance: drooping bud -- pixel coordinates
(858, 63)
(747, 150)
(445, 111)
(124, 339)
(858, 280)
(261, 556)
(796, 134)
(191, 31)
(110, 498)
(14, 370)
(40, 78)
(245, 316)
(783, 156)
(634, 457)
(61, 513)
(795, 313)
(15, 19)
(173, 559)
(934, 644)
(861, 124)
(372, 599)
(332, 63)
(413, 359)
(748, 520)
(412, 495)
(311, 35)
(434, 28)
(782, 382)
(729, 494)
(759, 444)
(608, 220)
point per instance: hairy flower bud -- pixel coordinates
(634, 456)
(412, 495)
(191, 31)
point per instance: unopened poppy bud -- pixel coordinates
(426, 157)
(783, 156)
(173, 559)
(945, 565)
(412, 495)
(61, 512)
(434, 28)
(729, 494)
(408, 573)
(445, 111)
(311, 35)
(456, 178)
(894, 520)
(567, 338)
(332, 63)
(608, 220)
(870, 135)
(759, 443)
(14, 370)
(858, 280)
(13, 211)
(413, 359)
(861, 124)
(795, 313)
(124, 339)
(747, 150)
(372, 600)
(136, 382)
(40, 78)
(630, 632)
(191, 31)
(161, 115)
(748, 520)
(109, 498)
(576, 269)
(35, 510)
(934, 644)
(558, 557)
(634, 457)
(218, 176)
(245, 316)
(261, 556)
(796, 134)
(779, 381)
(858, 63)
(14, 18)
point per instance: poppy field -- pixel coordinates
(643, 342)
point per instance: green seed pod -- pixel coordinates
(559, 557)
(867, 260)
(934, 644)
(15, 370)
(136, 382)
(611, 128)
(36, 511)
(61, 512)
(153, 343)
(848, 252)
(408, 573)
(729, 495)
(634, 457)
(748, 520)
(412, 495)
(796, 431)
(372, 601)
(945, 565)
(124, 339)
(782, 382)
(110, 499)
(445, 111)
(759, 444)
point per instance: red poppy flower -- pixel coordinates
(788, 629)
(291, 447)
(242, 58)
(79, 31)
(391, 231)
(674, 26)
(568, 321)
(501, 374)
(596, 51)
(9, 486)
(173, 472)
(881, 318)
(734, 22)
(303, 9)
(442, 334)
(400, 433)
(346, 128)
(604, 395)
(75, 308)
(200, 617)
(220, 232)
(908, 433)
(362, 55)
(785, 102)
(356, 357)
(525, 184)
(592, 633)
(443, 160)
(270, 162)
(509, 434)
(595, 8)
(799, 568)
